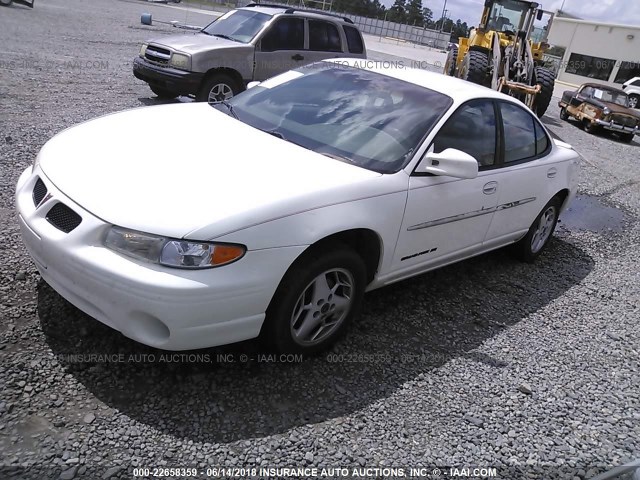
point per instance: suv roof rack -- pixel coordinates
(292, 10)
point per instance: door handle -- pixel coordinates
(552, 172)
(297, 57)
(490, 188)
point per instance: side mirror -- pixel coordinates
(451, 162)
(252, 84)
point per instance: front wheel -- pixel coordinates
(451, 62)
(318, 297)
(6, 3)
(633, 100)
(540, 232)
(563, 114)
(162, 93)
(475, 68)
(216, 88)
(626, 137)
(546, 79)
(590, 127)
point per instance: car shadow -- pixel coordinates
(598, 133)
(407, 329)
(150, 101)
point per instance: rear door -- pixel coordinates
(281, 48)
(325, 40)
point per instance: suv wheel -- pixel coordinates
(6, 3)
(633, 100)
(162, 93)
(216, 88)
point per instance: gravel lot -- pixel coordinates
(529, 369)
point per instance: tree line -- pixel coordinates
(410, 12)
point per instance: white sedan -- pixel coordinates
(186, 226)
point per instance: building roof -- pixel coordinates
(595, 22)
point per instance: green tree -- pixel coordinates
(398, 12)
(414, 13)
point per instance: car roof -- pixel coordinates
(456, 88)
(603, 87)
(283, 9)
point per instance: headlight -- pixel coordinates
(606, 110)
(181, 61)
(171, 252)
(143, 49)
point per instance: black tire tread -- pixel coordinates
(546, 79)
(477, 67)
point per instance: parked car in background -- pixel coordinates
(247, 44)
(600, 107)
(632, 88)
(323, 183)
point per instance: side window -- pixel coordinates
(324, 37)
(285, 34)
(519, 133)
(354, 39)
(472, 129)
(587, 92)
(542, 139)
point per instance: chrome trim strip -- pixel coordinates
(475, 213)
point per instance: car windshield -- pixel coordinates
(611, 96)
(238, 25)
(350, 114)
(507, 15)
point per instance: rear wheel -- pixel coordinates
(546, 79)
(475, 68)
(540, 232)
(317, 298)
(452, 59)
(163, 93)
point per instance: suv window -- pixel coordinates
(636, 83)
(284, 34)
(519, 133)
(324, 37)
(472, 129)
(354, 40)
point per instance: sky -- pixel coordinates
(612, 11)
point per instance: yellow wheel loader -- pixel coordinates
(505, 53)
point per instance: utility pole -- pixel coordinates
(444, 9)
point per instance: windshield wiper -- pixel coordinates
(337, 157)
(226, 37)
(229, 107)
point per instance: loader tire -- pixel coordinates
(475, 68)
(546, 79)
(452, 60)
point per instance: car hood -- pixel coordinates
(619, 109)
(174, 169)
(197, 42)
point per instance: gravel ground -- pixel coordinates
(532, 369)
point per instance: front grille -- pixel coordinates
(63, 218)
(157, 55)
(39, 192)
(624, 120)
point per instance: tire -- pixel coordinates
(589, 127)
(450, 63)
(162, 93)
(633, 101)
(537, 238)
(626, 137)
(563, 114)
(546, 79)
(289, 328)
(5, 3)
(218, 86)
(475, 68)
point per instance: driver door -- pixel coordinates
(281, 48)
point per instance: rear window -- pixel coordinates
(354, 39)
(324, 37)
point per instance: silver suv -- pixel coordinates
(247, 44)
(632, 88)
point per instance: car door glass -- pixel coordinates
(285, 34)
(542, 139)
(519, 133)
(324, 37)
(471, 129)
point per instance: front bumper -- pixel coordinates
(615, 127)
(172, 79)
(166, 308)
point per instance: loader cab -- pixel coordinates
(508, 16)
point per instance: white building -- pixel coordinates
(601, 52)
